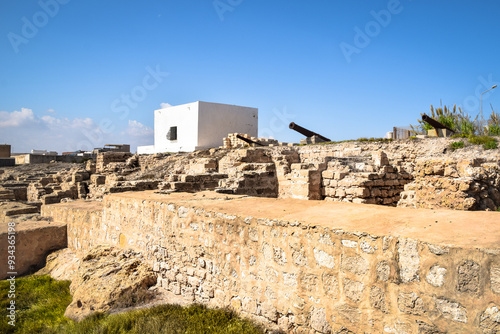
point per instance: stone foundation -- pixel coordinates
(308, 265)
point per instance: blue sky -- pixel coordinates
(76, 74)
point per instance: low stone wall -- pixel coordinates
(364, 180)
(33, 241)
(302, 265)
(41, 159)
(468, 184)
(106, 158)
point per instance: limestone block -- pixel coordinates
(349, 243)
(249, 305)
(495, 279)
(377, 299)
(353, 290)
(269, 311)
(309, 282)
(410, 303)
(290, 279)
(383, 271)
(436, 276)
(380, 159)
(330, 285)
(354, 264)
(367, 248)
(284, 324)
(299, 257)
(323, 259)
(279, 255)
(424, 328)
(409, 260)
(490, 320)
(319, 321)
(351, 314)
(438, 250)
(468, 277)
(451, 310)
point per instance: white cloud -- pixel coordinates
(137, 129)
(25, 131)
(16, 118)
(165, 105)
(50, 111)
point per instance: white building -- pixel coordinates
(199, 125)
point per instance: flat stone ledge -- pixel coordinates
(466, 229)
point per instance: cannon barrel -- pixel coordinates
(306, 132)
(249, 141)
(435, 124)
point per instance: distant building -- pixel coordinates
(199, 125)
(112, 148)
(43, 152)
(5, 159)
(5, 151)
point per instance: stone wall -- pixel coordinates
(468, 184)
(327, 267)
(34, 240)
(367, 180)
(107, 158)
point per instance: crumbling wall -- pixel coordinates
(249, 172)
(107, 158)
(232, 141)
(467, 184)
(366, 180)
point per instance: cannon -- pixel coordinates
(306, 132)
(435, 124)
(249, 141)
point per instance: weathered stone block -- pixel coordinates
(409, 260)
(410, 303)
(330, 284)
(324, 259)
(468, 277)
(451, 310)
(495, 279)
(383, 271)
(269, 311)
(353, 290)
(354, 264)
(349, 243)
(319, 322)
(438, 250)
(436, 276)
(489, 321)
(377, 299)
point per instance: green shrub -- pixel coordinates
(491, 145)
(459, 135)
(487, 142)
(456, 145)
(494, 130)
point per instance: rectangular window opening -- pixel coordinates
(172, 133)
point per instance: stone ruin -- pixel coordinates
(418, 174)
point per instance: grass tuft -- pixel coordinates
(41, 302)
(456, 145)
